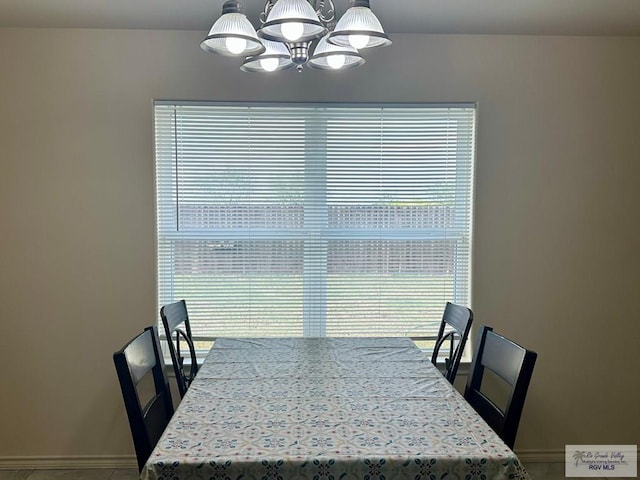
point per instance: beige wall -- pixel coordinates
(556, 258)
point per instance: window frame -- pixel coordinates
(312, 328)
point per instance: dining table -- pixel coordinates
(326, 408)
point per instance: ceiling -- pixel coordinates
(525, 17)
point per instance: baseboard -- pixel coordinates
(68, 462)
(541, 456)
(129, 461)
(547, 456)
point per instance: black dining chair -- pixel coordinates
(511, 366)
(134, 362)
(178, 330)
(454, 330)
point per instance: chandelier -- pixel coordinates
(290, 29)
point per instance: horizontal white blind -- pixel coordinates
(290, 219)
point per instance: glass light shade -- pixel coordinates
(359, 28)
(275, 57)
(292, 21)
(232, 34)
(333, 57)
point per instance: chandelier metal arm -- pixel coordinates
(326, 12)
(265, 12)
(325, 9)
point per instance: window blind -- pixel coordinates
(314, 220)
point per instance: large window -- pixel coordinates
(314, 220)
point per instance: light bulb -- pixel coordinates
(358, 41)
(292, 31)
(269, 64)
(336, 61)
(236, 45)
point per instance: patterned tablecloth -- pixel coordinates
(326, 409)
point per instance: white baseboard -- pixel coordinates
(129, 461)
(540, 456)
(546, 456)
(68, 462)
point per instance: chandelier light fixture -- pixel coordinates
(295, 33)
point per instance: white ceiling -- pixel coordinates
(545, 17)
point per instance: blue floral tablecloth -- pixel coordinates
(326, 409)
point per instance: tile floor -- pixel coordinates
(538, 471)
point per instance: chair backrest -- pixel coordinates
(454, 329)
(136, 359)
(514, 365)
(178, 330)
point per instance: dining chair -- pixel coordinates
(511, 368)
(454, 329)
(177, 329)
(134, 362)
